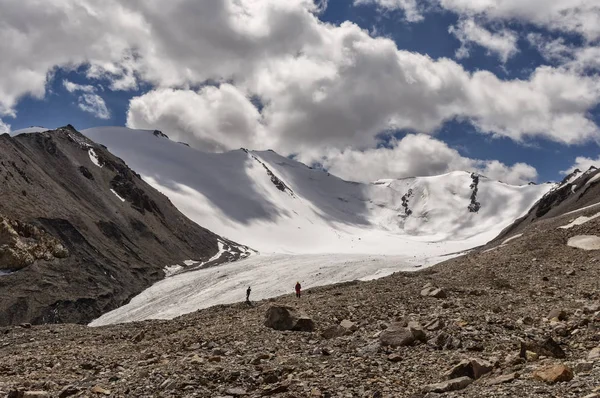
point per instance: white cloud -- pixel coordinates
(413, 10)
(4, 128)
(73, 87)
(94, 104)
(579, 59)
(414, 155)
(573, 16)
(502, 43)
(212, 119)
(583, 163)
(88, 101)
(321, 86)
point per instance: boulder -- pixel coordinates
(473, 368)
(436, 324)
(280, 317)
(399, 336)
(450, 385)
(432, 291)
(553, 374)
(417, 331)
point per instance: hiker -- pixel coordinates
(248, 294)
(298, 287)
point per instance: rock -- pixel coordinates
(68, 391)
(396, 336)
(531, 356)
(435, 325)
(594, 354)
(218, 352)
(546, 347)
(100, 390)
(553, 374)
(431, 291)
(472, 368)
(349, 325)
(582, 367)
(333, 331)
(558, 314)
(417, 331)
(281, 317)
(507, 378)
(139, 337)
(215, 358)
(275, 390)
(395, 358)
(236, 392)
(450, 385)
(25, 325)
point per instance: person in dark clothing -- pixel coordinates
(298, 289)
(248, 294)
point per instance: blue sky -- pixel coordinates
(430, 36)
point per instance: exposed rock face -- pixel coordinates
(288, 318)
(21, 244)
(72, 241)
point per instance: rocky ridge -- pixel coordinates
(81, 233)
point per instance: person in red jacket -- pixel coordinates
(298, 288)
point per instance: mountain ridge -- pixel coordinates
(81, 232)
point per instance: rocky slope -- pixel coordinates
(519, 317)
(80, 232)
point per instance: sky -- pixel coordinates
(367, 89)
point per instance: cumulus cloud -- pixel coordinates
(413, 155)
(317, 85)
(211, 119)
(573, 16)
(88, 101)
(502, 43)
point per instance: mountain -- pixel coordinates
(81, 233)
(578, 192)
(309, 225)
(518, 319)
(275, 204)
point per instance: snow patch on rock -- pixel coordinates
(94, 157)
(117, 195)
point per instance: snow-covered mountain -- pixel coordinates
(275, 204)
(307, 225)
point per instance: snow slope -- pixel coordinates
(275, 204)
(307, 225)
(269, 276)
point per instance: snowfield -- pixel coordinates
(301, 219)
(268, 275)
